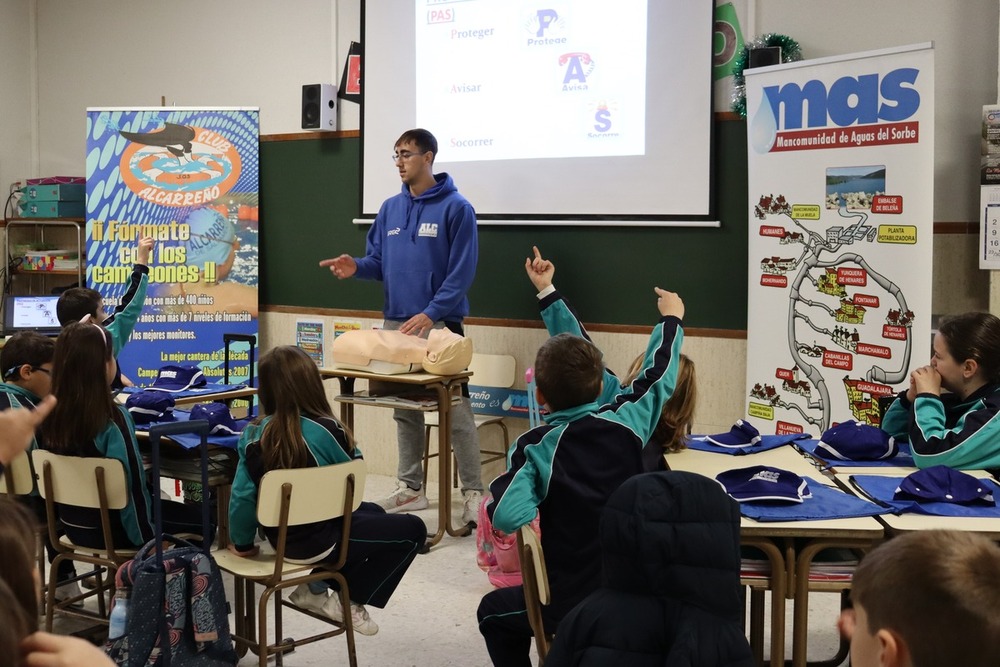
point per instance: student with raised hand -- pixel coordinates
(951, 411)
(926, 599)
(78, 302)
(87, 422)
(677, 418)
(565, 470)
(297, 429)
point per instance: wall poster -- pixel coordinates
(841, 166)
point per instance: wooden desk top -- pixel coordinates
(402, 378)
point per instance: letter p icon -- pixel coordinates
(545, 19)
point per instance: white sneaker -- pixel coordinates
(68, 591)
(404, 499)
(304, 598)
(362, 622)
(470, 506)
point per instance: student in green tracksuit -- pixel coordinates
(87, 422)
(565, 470)
(951, 412)
(677, 418)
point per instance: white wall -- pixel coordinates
(15, 92)
(100, 53)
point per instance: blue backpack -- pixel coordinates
(184, 599)
(177, 596)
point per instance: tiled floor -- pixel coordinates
(431, 620)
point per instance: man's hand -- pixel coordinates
(417, 325)
(911, 391)
(145, 249)
(249, 553)
(926, 380)
(540, 271)
(17, 428)
(669, 303)
(342, 267)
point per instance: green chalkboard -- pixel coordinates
(309, 196)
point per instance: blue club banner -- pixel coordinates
(188, 178)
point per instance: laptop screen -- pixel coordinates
(31, 313)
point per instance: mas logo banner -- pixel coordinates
(188, 179)
(840, 158)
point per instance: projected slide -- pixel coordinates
(516, 80)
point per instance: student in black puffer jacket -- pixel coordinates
(670, 595)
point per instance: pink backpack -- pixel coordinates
(496, 552)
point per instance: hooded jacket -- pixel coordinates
(424, 249)
(670, 593)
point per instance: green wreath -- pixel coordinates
(790, 52)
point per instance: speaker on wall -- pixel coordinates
(319, 106)
(764, 56)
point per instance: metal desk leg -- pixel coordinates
(778, 582)
(347, 409)
(444, 468)
(800, 628)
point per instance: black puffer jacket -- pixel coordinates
(671, 592)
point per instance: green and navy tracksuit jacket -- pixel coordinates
(117, 441)
(15, 397)
(944, 430)
(566, 469)
(121, 323)
(559, 317)
(327, 444)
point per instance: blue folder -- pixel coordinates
(766, 442)
(881, 488)
(825, 503)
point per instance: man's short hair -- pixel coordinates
(939, 591)
(77, 302)
(26, 347)
(569, 371)
(421, 138)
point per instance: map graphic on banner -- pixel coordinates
(189, 179)
(840, 161)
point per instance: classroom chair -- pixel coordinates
(488, 370)
(536, 586)
(19, 480)
(288, 498)
(92, 482)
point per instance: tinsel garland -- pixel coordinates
(790, 52)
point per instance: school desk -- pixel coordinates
(790, 546)
(427, 393)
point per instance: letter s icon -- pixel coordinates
(602, 120)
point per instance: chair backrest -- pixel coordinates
(317, 493)
(536, 585)
(74, 479)
(492, 370)
(17, 478)
(535, 559)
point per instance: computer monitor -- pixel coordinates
(30, 313)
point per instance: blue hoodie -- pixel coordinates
(424, 250)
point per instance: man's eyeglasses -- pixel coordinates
(44, 370)
(403, 155)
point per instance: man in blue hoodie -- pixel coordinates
(424, 247)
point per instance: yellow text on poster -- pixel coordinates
(761, 411)
(805, 211)
(906, 234)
